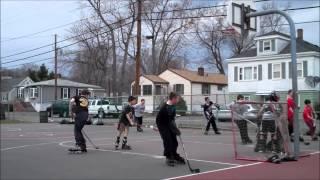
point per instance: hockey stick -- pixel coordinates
(186, 156)
(96, 147)
(252, 123)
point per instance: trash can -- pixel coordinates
(43, 117)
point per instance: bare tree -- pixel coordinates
(98, 7)
(211, 37)
(273, 22)
(166, 31)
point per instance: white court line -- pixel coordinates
(30, 145)
(145, 154)
(313, 153)
(217, 170)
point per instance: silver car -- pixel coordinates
(224, 114)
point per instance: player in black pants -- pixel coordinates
(207, 110)
(169, 131)
(80, 104)
(239, 109)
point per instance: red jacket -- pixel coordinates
(291, 106)
(307, 113)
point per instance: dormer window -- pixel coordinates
(267, 46)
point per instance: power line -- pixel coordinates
(51, 44)
(16, 60)
(186, 17)
(172, 18)
(57, 27)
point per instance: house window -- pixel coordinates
(65, 93)
(240, 74)
(205, 89)
(276, 71)
(33, 92)
(299, 70)
(178, 88)
(147, 89)
(20, 92)
(79, 91)
(220, 87)
(248, 73)
(158, 90)
(266, 46)
(4, 97)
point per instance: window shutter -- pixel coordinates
(283, 70)
(290, 70)
(61, 95)
(269, 71)
(259, 72)
(235, 74)
(260, 46)
(273, 45)
(182, 91)
(305, 68)
(68, 92)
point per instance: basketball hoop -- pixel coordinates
(312, 81)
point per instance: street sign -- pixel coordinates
(236, 16)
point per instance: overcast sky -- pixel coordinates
(24, 17)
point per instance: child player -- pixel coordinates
(239, 109)
(126, 120)
(169, 131)
(138, 114)
(207, 109)
(308, 117)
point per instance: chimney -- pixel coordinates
(300, 34)
(200, 71)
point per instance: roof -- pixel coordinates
(302, 46)
(8, 84)
(64, 83)
(193, 76)
(156, 79)
(274, 33)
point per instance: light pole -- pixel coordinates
(293, 69)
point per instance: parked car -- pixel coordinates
(224, 114)
(59, 107)
(103, 108)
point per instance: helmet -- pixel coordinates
(274, 96)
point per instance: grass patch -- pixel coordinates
(12, 122)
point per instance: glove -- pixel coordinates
(174, 128)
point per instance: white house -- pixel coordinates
(267, 67)
(41, 94)
(193, 86)
(13, 88)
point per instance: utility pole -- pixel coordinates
(55, 67)
(138, 55)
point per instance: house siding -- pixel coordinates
(250, 88)
(173, 79)
(272, 84)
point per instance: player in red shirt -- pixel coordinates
(291, 107)
(308, 117)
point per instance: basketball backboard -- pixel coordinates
(236, 15)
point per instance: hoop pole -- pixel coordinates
(234, 134)
(293, 69)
